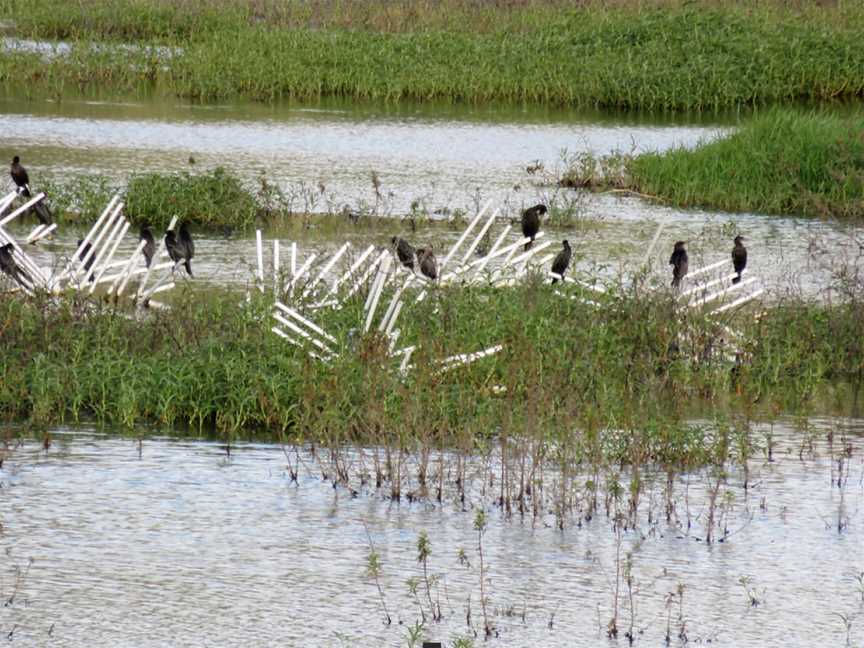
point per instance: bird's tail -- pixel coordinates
(188, 265)
(676, 282)
(529, 244)
(554, 280)
(737, 279)
(26, 192)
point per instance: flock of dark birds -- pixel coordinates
(181, 248)
(531, 226)
(179, 245)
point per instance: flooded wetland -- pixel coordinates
(308, 443)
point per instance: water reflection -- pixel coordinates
(184, 546)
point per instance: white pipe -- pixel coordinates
(403, 368)
(351, 271)
(480, 236)
(377, 287)
(707, 285)
(107, 227)
(137, 271)
(103, 268)
(739, 301)
(485, 260)
(462, 238)
(23, 208)
(293, 258)
(127, 271)
(653, 242)
(7, 200)
(291, 325)
(467, 358)
(725, 291)
(117, 230)
(260, 255)
(45, 232)
(695, 273)
(392, 320)
(326, 269)
(275, 266)
(162, 288)
(389, 313)
(366, 274)
(293, 313)
(303, 270)
(525, 256)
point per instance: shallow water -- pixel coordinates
(181, 545)
(444, 158)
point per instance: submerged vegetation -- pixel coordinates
(661, 56)
(782, 162)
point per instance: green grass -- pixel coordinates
(667, 57)
(213, 364)
(780, 162)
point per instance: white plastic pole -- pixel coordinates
(299, 275)
(695, 273)
(275, 266)
(259, 250)
(326, 269)
(350, 271)
(739, 301)
(293, 313)
(480, 236)
(725, 291)
(462, 238)
(23, 208)
(104, 267)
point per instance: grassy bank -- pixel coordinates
(781, 162)
(665, 56)
(213, 364)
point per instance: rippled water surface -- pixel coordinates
(176, 543)
(443, 158)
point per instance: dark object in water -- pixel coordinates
(10, 267)
(531, 222)
(428, 266)
(739, 258)
(404, 251)
(679, 263)
(20, 177)
(149, 248)
(182, 249)
(562, 261)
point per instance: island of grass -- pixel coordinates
(779, 162)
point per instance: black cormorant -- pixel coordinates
(739, 258)
(8, 265)
(149, 248)
(679, 263)
(427, 262)
(531, 223)
(20, 177)
(404, 251)
(562, 261)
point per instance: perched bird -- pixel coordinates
(43, 213)
(427, 262)
(679, 263)
(739, 258)
(182, 248)
(20, 177)
(175, 250)
(8, 265)
(149, 248)
(404, 251)
(531, 222)
(83, 255)
(562, 261)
